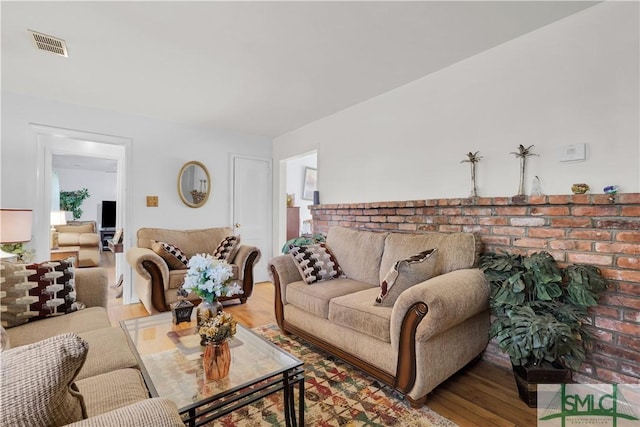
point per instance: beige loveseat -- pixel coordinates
(156, 283)
(56, 366)
(433, 329)
(84, 235)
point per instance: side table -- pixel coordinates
(65, 252)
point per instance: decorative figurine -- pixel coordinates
(579, 188)
(473, 158)
(181, 309)
(522, 153)
(611, 190)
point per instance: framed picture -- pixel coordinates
(309, 183)
(117, 236)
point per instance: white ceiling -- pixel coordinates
(96, 164)
(260, 67)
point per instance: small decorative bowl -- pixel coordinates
(579, 188)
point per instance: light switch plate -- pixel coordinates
(152, 201)
(573, 153)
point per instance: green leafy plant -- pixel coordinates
(539, 309)
(72, 200)
(302, 241)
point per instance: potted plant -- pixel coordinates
(539, 315)
(302, 241)
(72, 200)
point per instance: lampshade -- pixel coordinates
(15, 225)
(58, 218)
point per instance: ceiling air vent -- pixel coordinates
(49, 43)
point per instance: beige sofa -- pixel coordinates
(109, 381)
(156, 284)
(84, 235)
(433, 329)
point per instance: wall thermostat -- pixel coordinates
(573, 153)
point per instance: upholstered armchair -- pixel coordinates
(158, 276)
(84, 235)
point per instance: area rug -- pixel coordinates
(336, 394)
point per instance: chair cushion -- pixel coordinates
(227, 249)
(358, 252)
(173, 256)
(355, 311)
(37, 382)
(70, 228)
(404, 274)
(156, 412)
(315, 298)
(315, 263)
(112, 390)
(108, 351)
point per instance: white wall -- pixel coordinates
(574, 81)
(101, 186)
(159, 149)
(295, 182)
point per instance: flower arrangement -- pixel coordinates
(217, 329)
(209, 278)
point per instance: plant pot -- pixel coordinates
(528, 378)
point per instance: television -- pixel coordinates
(108, 217)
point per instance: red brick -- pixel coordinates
(632, 316)
(621, 301)
(395, 219)
(538, 200)
(450, 211)
(604, 336)
(602, 310)
(527, 222)
(463, 220)
(428, 227)
(571, 245)
(407, 227)
(477, 211)
(629, 288)
(559, 200)
(614, 377)
(626, 328)
(530, 243)
(594, 210)
(415, 219)
(546, 232)
(619, 352)
(600, 199)
(618, 248)
(590, 234)
(628, 236)
(630, 211)
(510, 231)
(579, 258)
(511, 210)
(629, 342)
(495, 240)
(450, 228)
(629, 198)
(389, 226)
(370, 212)
(604, 361)
(378, 218)
(631, 369)
(550, 211)
(406, 211)
(343, 218)
(364, 218)
(346, 224)
(618, 224)
(355, 212)
(571, 222)
(386, 211)
(496, 220)
(629, 262)
(579, 199)
(478, 229)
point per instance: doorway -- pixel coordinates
(52, 141)
(298, 169)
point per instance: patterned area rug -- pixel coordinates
(336, 394)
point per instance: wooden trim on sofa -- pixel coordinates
(157, 286)
(247, 277)
(406, 370)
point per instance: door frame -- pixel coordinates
(232, 159)
(88, 144)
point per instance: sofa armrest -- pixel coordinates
(92, 286)
(135, 258)
(243, 256)
(284, 267)
(450, 298)
(156, 412)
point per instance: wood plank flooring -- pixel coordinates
(482, 394)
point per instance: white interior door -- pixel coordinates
(251, 206)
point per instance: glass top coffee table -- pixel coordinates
(171, 363)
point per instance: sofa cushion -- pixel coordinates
(108, 351)
(71, 228)
(173, 255)
(36, 291)
(69, 239)
(89, 240)
(227, 249)
(455, 250)
(356, 312)
(191, 242)
(315, 299)
(404, 274)
(37, 382)
(358, 252)
(80, 321)
(315, 263)
(112, 390)
(156, 412)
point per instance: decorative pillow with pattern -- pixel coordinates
(173, 256)
(37, 382)
(404, 274)
(35, 291)
(227, 249)
(316, 263)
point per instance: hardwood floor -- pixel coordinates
(481, 394)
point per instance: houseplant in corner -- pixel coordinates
(540, 315)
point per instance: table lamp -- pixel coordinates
(57, 218)
(15, 228)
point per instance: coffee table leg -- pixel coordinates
(288, 400)
(301, 402)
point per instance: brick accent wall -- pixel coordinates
(582, 228)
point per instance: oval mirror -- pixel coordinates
(194, 184)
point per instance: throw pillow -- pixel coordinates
(37, 291)
(227, 249)
(174, 257)
(404, 274)
(37, 382)
(315, 263)
(4, 340)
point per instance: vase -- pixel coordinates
(216, 360)
(206, 310)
